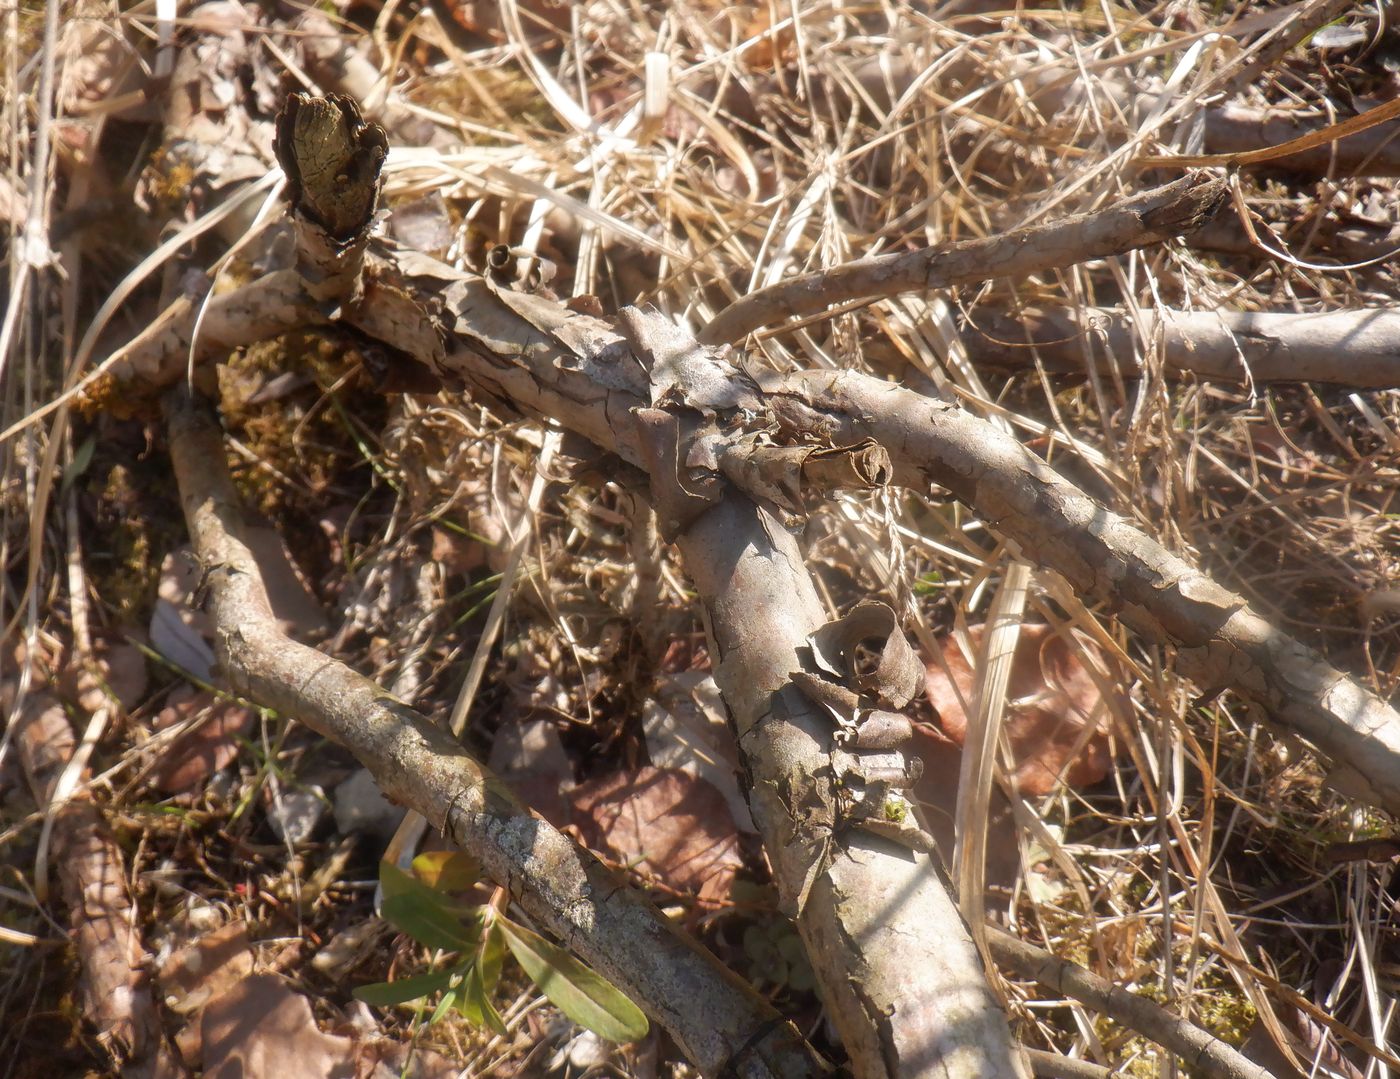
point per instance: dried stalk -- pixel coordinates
(718, 1020)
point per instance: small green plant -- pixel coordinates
(422, 905)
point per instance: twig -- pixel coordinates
(1140, 221)
(1203, 1052)
(1054, 1066)
(113, 982)
(1354, 348)
(710, 1012)
(1364, 145)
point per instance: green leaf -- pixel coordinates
(388, 994)
(447, 870)
(429, 917)
(449, 999)
(585, 996)
(493, 952)
(475, 1003)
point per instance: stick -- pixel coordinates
(1140, 221)
(1203, 1053)
(718, 1020)
(1354, 348)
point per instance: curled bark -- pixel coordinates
(895, 963)
(1354, 348)
(719, 1022)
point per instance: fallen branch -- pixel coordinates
(528, 355)
(1140, 221)
(1220, 642)
(895, 963)
(718, 1021)
(1202, 1052)
(113, 983)
(1354, 348)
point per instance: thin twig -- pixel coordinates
(1203, 1052)
(1140, 221)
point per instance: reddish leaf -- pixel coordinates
(262, 1027)
(1053, 698)
(188, 761)
(664, 822)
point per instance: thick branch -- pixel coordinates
(1220, 642)
(720, 1023)
(1354, 348)
(1140, 221)
(895, 963)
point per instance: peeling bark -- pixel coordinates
(1220, 642)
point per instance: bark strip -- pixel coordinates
(718, 1020)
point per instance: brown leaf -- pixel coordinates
(1053, 698)
(261, 1027)
(194, 756)
(664, 822)
(120, 672)
(206, 969)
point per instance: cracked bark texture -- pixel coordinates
(895, 963)
(1220, 642)
(718, 1020)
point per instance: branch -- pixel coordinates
(1220, 642)
(894, 961)
(1140, 221)
(113, 981)
(1354, 348)
(1203, 1053)
(718, 1020)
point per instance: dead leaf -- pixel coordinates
(120, 672)
(198, 753)
(206, 969)
(261, 1027)
(1053, 698)
(687, 729)
(664, 822)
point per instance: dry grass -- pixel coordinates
(795, 137)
